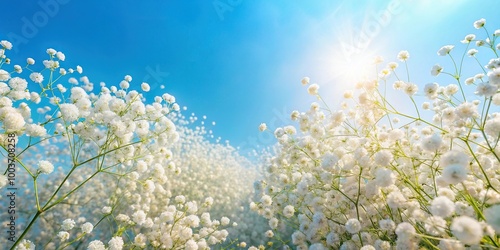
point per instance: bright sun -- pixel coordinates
(355, 68)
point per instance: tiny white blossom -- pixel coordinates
(68, 224)
(262, 127)
(145, 87)
(313, 89)
(305, 80)
(479, 23)
(467, 230)
(403, 55)
(63, 235)
(45, 167)
(87, 227)
(445, 50)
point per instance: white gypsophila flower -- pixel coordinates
(382, 245)
(288, 211)
(140, 240)
(45, 167)
(403, 55)
(367, 247)
(329, 161)
(224, 221)
(454, 174)
(12, 120)
(36, 77)
(63, 235)
(191, 245)
(451, 89)
(30, 61)
(87, 227)
(442, 206)
(290, 130)
(262, 127)
(470, 81)
(35, 130)
(51, 64)
(139, 217)
(486, 89)
(122, 218)
(313, 89)
(432, 142)
(384, 177)
(79, 69)
(149, 186)
(68, 224)
(168, 98)
(96, 245)
(469, 38)
(435, 225)
(479, 23)
(353, 226)
(494, 77)
(106, 210)
(4, 75)
(51, 51)
(492, 127)
(396, 200)
(398, 85)
(145, 87)
(445, 50)
(60, 56)
(454, 157)
(383, 158)
(387, 225)
(492, 215)
(4, 88)
(25, 245)
(472, 52)
(6, 44)
(436, 70)
(266, 200)
(269, 233)
(305, 80)
(273, 223)
(446, 192)
(450, 244)
(17, 83)
(493, 63)
(180, 199)
(3, 180)
(69, 112)
(405, 230)
(279, 132)
(467, 110)
(116, 243)
(124, 84)
(332, 238)
(431, 90)
(467, 230)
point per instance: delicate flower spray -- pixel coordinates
(102, 169)
(370, 176)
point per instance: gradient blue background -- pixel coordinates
(241, 65)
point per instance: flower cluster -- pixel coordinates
(103, 169)
(370, 176)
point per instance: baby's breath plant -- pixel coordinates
(376, 175)
(101, 168)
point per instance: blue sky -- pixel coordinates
(239, 62)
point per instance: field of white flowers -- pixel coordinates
(88, 166)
